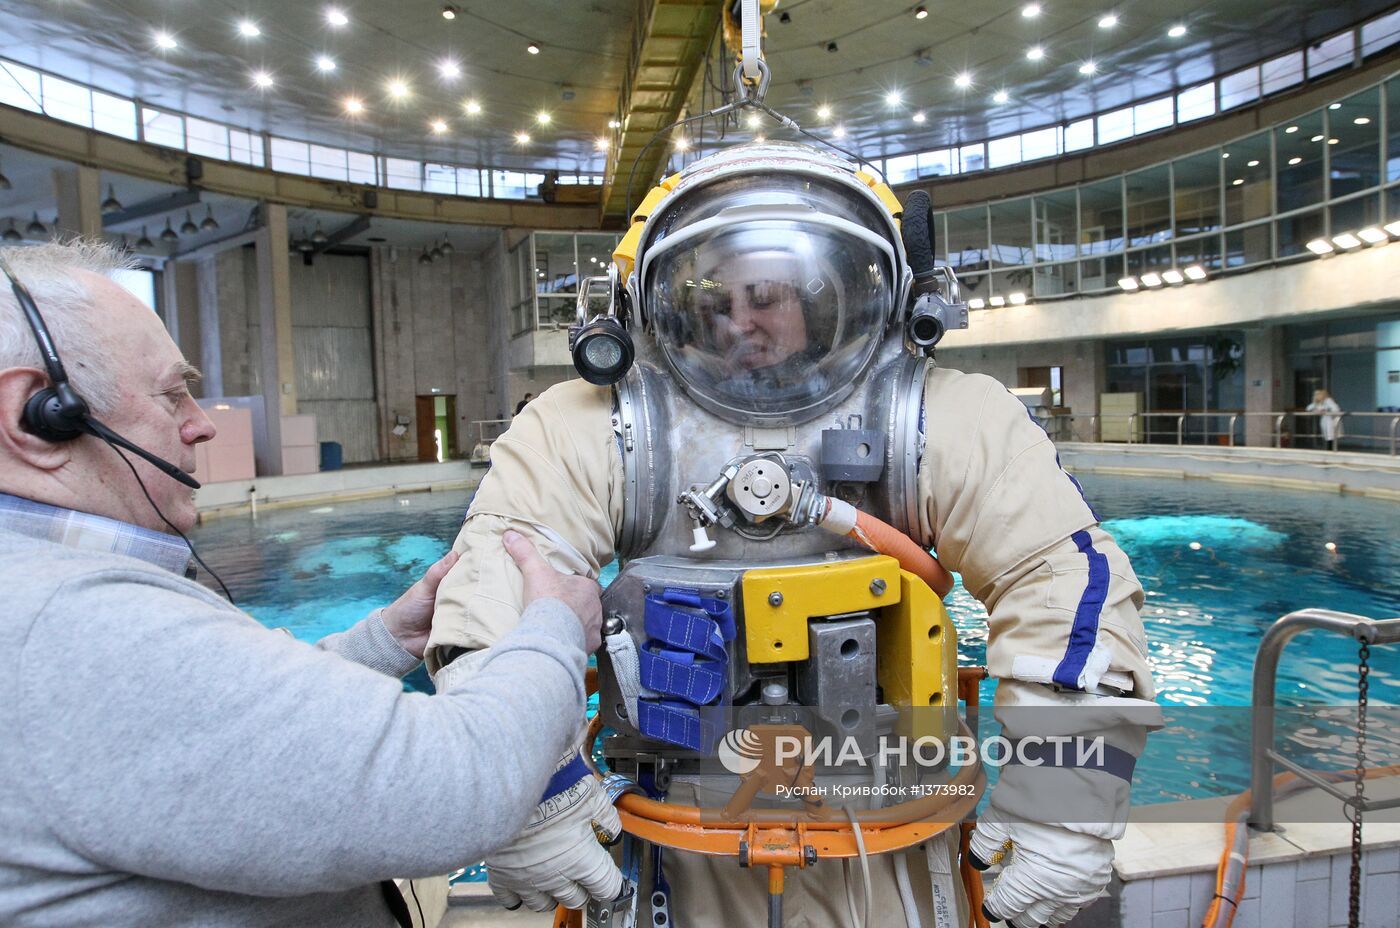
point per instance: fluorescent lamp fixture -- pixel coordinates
(1372, 236)
(325, 64)
(165, 40)
(963, 80)
(522, 138)
(398, 89)
(1290, 130)
(1362, 120)
(1088, 67)
(1295, 160)
(353, 106)
(919, 117)
(1109, 21)
(1253, 164)
(1152, 279)
(754, 121)
(1346, 241)
(1030, 10)
(336, 18)
(1320, 246)
(249, 29)
(600, 143)
(1173, 277)
(1001, 96)
(439, 126)
(449, 69)
(471, 108)
(977, 303)
(1035, 53)
(1195, 272)
(1017, 299)
(1176, 32)
(823, 112)
(839, 132)
(1128, 283)
(997, 301)
(1334, 106)
(262, 79)
(543, 118)
(893, 98)
(920, 12)
(533, 48)
(1393, 228)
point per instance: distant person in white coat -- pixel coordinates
(1331, 418)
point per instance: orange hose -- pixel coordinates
(883, 538)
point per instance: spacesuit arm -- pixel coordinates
(556, 477)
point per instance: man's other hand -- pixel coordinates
(410, 617)
(542, 581)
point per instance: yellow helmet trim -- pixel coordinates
(625, 254)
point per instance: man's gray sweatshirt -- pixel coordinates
(165, 760)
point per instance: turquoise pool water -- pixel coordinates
(1219, 563)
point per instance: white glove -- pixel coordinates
(558, 859)
(1048, 872)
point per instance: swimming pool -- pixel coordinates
(1219, 563)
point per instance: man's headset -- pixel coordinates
(58, 414)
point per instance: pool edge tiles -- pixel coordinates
(238, 497)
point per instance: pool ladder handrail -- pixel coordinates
(1262, 753)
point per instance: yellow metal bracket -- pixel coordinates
(778, 601)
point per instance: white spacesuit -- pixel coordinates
(770, 294)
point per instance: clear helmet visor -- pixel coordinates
(769, 313)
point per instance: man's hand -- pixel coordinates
(410, 617)
(542, 581)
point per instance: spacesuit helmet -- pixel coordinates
(768, 278)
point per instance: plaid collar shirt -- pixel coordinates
(93, 533)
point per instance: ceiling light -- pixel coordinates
(165, 40)
(1252, 164)
(1017, 299)
(1295, 160)
(1225, 155)
(169, 234)
(976, 303)
(919, 117)
(336, 17)
(12, 234)
(398, 89)
(1362, 120)
(471, 107)
(1320, 246)
(1030, 10)
(601, 143)
(262, 79)
(1108, 22)
(920, 12)
(1195, 272)
(439, 126)
(823, 112)
(839, 132)
(1173, 277)
(449, 12)
(542, 118)
(894, 98)
(188, 227)
(1128, 283)
(1001, 96)
(614, 124)
(832, 47)
(449, 69)
(325, 64)
(1176, 32)
(1151, 279)
(1346, 240)
(1088, 67)
(682, 143)
(1372, 236)
(533, 48)
(1317, 138)
(1334, 106)
(522, 138)
(1290, 130)
(1237, 181)
(209, 223)
(754, 120)
(319, 236)
(997, 301)
(249, 29)
(145, 240)
(446, 247)
(111, 204)
(963, 80)
(353, 106)
(1035, 53)
(1332, 141)
(35, 229)
(1393, 228)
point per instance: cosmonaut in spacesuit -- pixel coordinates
(783, 379)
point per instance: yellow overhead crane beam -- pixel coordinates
(668, 49)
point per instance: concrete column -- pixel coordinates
(1263, 382)
(275, 325)
(78, 190)
(211, 355)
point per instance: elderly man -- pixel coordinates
(167, 760)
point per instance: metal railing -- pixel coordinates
(1061, 427)
(1262, 753)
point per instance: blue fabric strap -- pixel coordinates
(1102, 756)
(675, 723)
(566, 776)
(688, 629)
(1085, 630)
(681, 674)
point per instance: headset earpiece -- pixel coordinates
(45, 417)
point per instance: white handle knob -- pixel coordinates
(703, 542)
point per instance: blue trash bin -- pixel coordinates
(331, 455)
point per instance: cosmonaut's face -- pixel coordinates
(756, 313)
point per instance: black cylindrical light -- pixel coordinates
(603, 352)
